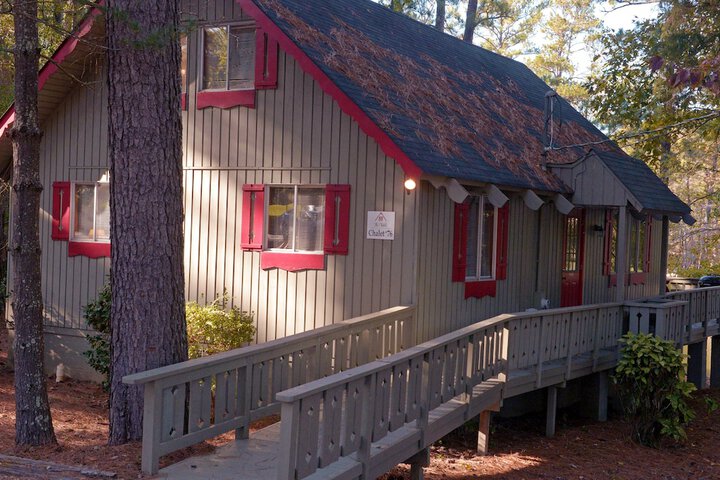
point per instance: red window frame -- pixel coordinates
(336, 238)
(61, 203)
(266, 77)
(633, 278)
(479, 288)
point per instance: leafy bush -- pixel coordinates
(214, 328)
(650, 378)
(211, 329)
(97, 315)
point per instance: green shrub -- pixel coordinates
(214, 328)
(97, 315)
(211, 329)
(650, 377)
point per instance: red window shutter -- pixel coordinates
(459, 263)
(337, 219)
(253, 216)
(648, 243)
(608, 241)
(61, 211)
(502, 242)
(266, 61)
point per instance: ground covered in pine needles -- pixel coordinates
(518, 449)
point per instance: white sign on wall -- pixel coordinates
(381, 226)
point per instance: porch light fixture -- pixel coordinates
(410, 184)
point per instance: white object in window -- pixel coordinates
(295, 218)
(90, 212)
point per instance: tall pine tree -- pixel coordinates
(33, 422)
(147, 314)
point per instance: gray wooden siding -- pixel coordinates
(442, 306)
(74, 148)
(534, 265)
(297, 134)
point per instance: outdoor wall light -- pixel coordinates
(410, 185)
(597, 229)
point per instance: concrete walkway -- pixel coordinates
(255, 458)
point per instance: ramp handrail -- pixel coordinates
(368, 418)
(189, 402)
(702, 313)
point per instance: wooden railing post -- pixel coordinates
(289, 440)
(368, 424)
(152, 428)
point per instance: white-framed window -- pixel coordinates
(90, 212)
(228, 57)
(481, 239)
(295, 218)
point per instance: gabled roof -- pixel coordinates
(72, 61)
(649, 190)
(437, 105)
(453, 108)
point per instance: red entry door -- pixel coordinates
(573, 259)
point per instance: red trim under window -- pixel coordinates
(225, 99)
(89, 249)
(293, 261)
(253, 216)
(348, 106)
(183, 101)
(61, 211)
(337, 219)
(480, 288)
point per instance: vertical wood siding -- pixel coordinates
(74, 148)
(297, 134)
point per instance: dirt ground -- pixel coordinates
(518, 449)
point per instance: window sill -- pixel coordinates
(639, 278)
(88, 249)
(226, 99)
(292, 262)
(480, 289)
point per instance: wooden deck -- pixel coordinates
(359, 418)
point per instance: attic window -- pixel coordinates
(228, 58)
(237, 60)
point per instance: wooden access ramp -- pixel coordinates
(395, 401)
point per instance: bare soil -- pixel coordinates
(518, 450)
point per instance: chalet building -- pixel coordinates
(340, 159)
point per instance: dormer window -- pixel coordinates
(228, 58)
(235, 62)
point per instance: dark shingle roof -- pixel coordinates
(649, 190)
(453, 108)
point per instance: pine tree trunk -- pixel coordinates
(440, 15)
(33, 423)
(470, 21)
(148, 305)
